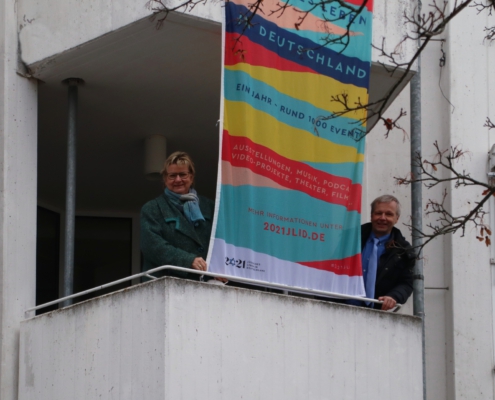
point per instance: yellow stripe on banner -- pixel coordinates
(296, 144)
(313, 88)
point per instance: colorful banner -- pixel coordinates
(289, 189)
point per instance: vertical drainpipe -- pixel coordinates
(70, 197)
(416, 205)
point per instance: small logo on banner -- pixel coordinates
(238, 263)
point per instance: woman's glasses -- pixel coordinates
(182, 176)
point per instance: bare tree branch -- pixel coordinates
(489, 6)
(445, 222)
(489, 124)
(161, 11)
(424, 27)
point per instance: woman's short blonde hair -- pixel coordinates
(179, 158)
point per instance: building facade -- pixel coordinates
(140, 80)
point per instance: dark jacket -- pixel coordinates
(168, 238)
(394, 276)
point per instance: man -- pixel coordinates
(387, 257)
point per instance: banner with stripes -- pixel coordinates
(289, 190)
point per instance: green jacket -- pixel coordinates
(168, 238)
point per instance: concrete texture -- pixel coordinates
(178, 339)
(18, 157)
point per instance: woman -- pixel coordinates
(176, 226)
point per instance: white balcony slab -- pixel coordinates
(177, 339)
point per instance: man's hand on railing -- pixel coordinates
(388, 302)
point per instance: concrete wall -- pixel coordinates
(177, 339)
(388, 24)
(51, 27)
(470, 344)
(18, 153)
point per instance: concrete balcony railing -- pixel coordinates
(179, 339)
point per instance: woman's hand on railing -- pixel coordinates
(199, 263)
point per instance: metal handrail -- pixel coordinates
(293, 289)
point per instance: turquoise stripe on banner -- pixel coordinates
(341, 130)
(261, 213)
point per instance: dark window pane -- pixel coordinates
(47, 257)
(102, 253)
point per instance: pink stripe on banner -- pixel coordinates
(243, 152)
(236, 176)
(347, 266)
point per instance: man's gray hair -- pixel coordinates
(386, 198)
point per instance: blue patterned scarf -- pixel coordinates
(188, 204)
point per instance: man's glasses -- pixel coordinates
(182, 176)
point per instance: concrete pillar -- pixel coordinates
(18, 176)
(435, 127)
(469, 326)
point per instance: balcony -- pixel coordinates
(179, 339)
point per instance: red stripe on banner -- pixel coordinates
(347, 266)
(243, 152)
(369, 4)
(259, 56)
